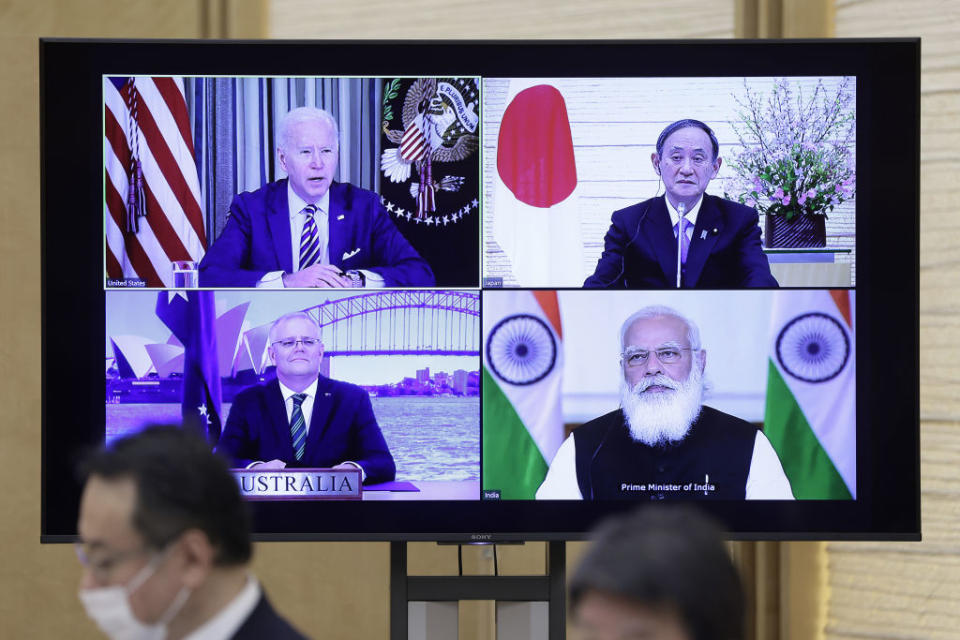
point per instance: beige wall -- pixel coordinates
(502, 19)
(911, 590)
(38, 583)
(875, 590)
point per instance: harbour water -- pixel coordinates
(431, 438)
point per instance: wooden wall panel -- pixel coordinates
(34, 573)
(501, 19)
(38, 582)
(910, 590)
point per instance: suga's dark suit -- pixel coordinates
(640, 249)
(342, 428)
(256, 239)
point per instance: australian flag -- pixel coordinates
(191, 316)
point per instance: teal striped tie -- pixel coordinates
(298, 427)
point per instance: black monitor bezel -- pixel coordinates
(888, 152)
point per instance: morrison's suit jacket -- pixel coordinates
(342, 428)
(264, 622)
(256, 239)
(640, 249)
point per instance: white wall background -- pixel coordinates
(615, 123)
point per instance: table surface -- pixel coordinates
(431, 490)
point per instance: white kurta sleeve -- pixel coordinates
(561, 480)
(766, 480)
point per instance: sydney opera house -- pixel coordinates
(144, 370)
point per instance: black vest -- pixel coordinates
(712, 462)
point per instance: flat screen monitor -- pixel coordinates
(528, 284)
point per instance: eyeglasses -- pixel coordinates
(666, 355)
(103, 567)
(290, 343)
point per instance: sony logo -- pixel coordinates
(481, 536)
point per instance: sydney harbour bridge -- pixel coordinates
(401, 323)
(405, 322)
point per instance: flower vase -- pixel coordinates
(802, 231)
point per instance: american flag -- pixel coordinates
(152, 190)
(413, 145)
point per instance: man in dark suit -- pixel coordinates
(719, 243)
(303, 419)
(165, 544)
(308, 231)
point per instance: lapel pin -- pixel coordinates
(340, 217)
(703, 234)
(327, 394)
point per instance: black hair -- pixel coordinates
(181, 485)
(666, 557)
(682, 124)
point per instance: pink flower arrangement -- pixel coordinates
(796, 156)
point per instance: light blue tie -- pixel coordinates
(298, 427)
(682, 226)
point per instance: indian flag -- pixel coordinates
(522, 365)
(811, 392)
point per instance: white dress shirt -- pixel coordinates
(306, 407)
(691, 216)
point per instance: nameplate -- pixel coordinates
(300, 484)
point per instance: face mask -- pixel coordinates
(110, 608)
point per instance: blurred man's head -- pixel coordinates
(295, 349)
(161, 520)
(662, 363)
(308, 150)
(661, 573)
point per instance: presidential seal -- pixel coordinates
(430, 139)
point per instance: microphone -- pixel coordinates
(681, 209)
(623, 253)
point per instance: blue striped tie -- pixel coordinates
(309, 239)
(298, 427)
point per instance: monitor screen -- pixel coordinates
(510, 287)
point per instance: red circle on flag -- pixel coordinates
(535, 149)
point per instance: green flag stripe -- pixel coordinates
(512, 462)
(811, 472)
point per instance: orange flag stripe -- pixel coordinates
(842, 298)
(551, 308)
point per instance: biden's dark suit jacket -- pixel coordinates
(640, 249)
(342, 428)
(256, 239)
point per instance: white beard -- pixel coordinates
(657, 419)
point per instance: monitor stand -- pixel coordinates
(406, 588)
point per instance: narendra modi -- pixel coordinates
(663, 443)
